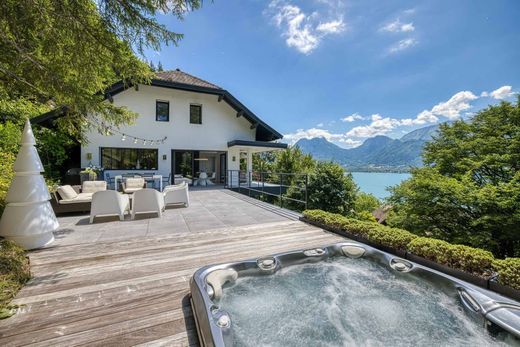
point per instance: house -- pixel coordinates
(186, 126)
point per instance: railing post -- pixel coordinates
(249, 179)
(281, 184)
(306, 185)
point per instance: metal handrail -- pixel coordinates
(255, 181)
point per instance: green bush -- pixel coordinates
(472, 260)
(508, 271)
(14, 272)
(377, 233)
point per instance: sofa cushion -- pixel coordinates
(93, 186)
(67, 192)
(132, 190)
(134, 183)
(80, 198)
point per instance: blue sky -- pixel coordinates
(351, 69)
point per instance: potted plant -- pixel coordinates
(91, 173)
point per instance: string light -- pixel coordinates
(109, 130)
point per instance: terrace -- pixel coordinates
(127, 282)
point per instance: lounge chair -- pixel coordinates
(176, 194)
(133, 184)
(147, 200)
(76, 198)
(109, 203)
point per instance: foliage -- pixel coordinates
(53, 147)
(472, 260)
(469, 192)
(6, 168)
(366, 202)
(14, 272)
(330, 189)
(66, 53)
(293, 160)
(263, 161)
(508, 271)
(377, 233)
(365, 216)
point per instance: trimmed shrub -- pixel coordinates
(377, 233)
(14, 272)
(508, 271)
(391, 237)
(465, 258)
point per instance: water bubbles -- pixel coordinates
(342, 301)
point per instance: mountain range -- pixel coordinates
(379, 153)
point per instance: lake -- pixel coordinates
(377, 182)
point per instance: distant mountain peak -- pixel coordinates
(376, 153)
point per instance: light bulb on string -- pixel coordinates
(123, 138)
(135, 140)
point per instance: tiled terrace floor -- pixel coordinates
(127, 283)
(209, 209)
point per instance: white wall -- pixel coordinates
(219, 125)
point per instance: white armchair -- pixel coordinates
(147, 200)
(176, 194)
(109, 203)
(133, 184)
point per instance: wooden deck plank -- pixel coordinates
(133, 292)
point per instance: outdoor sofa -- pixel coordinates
(67, 198)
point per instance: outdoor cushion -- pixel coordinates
(67, 192)
(134, 183)
(93, 186)
(132, 190)
(80, 198)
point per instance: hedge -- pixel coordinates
(508, 271)
(14, 272)
(472, 260)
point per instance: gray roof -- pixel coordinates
(179, 76)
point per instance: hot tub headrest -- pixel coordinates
(220, 277)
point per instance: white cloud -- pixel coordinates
(398, 27)
(403, 44)
(299, 134)
(457, 103)
(352, 117)
(300, 30)
(378, 126)
(332, 27)
(319, 125)
(502, 92)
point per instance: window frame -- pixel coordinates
(137, 154)
(157, 102)
(200, 107)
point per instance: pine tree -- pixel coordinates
(159, 66)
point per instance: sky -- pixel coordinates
(347, 70)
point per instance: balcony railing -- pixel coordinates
(288, 190)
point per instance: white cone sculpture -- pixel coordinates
(28, 218)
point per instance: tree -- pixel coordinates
(366, 202)
(159, 66)
(66, 53)
(331, 190)
(469, 192)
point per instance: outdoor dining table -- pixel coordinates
(147, 179)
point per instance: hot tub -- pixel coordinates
(345, 294)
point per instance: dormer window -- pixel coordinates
(195, 114)
(162, 111)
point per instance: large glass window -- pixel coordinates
(195, 114)
(162, 111)
(113, 158)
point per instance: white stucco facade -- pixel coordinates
(220, 125)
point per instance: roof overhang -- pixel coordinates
(263, 131)
(257, 146)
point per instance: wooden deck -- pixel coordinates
(135, 292)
